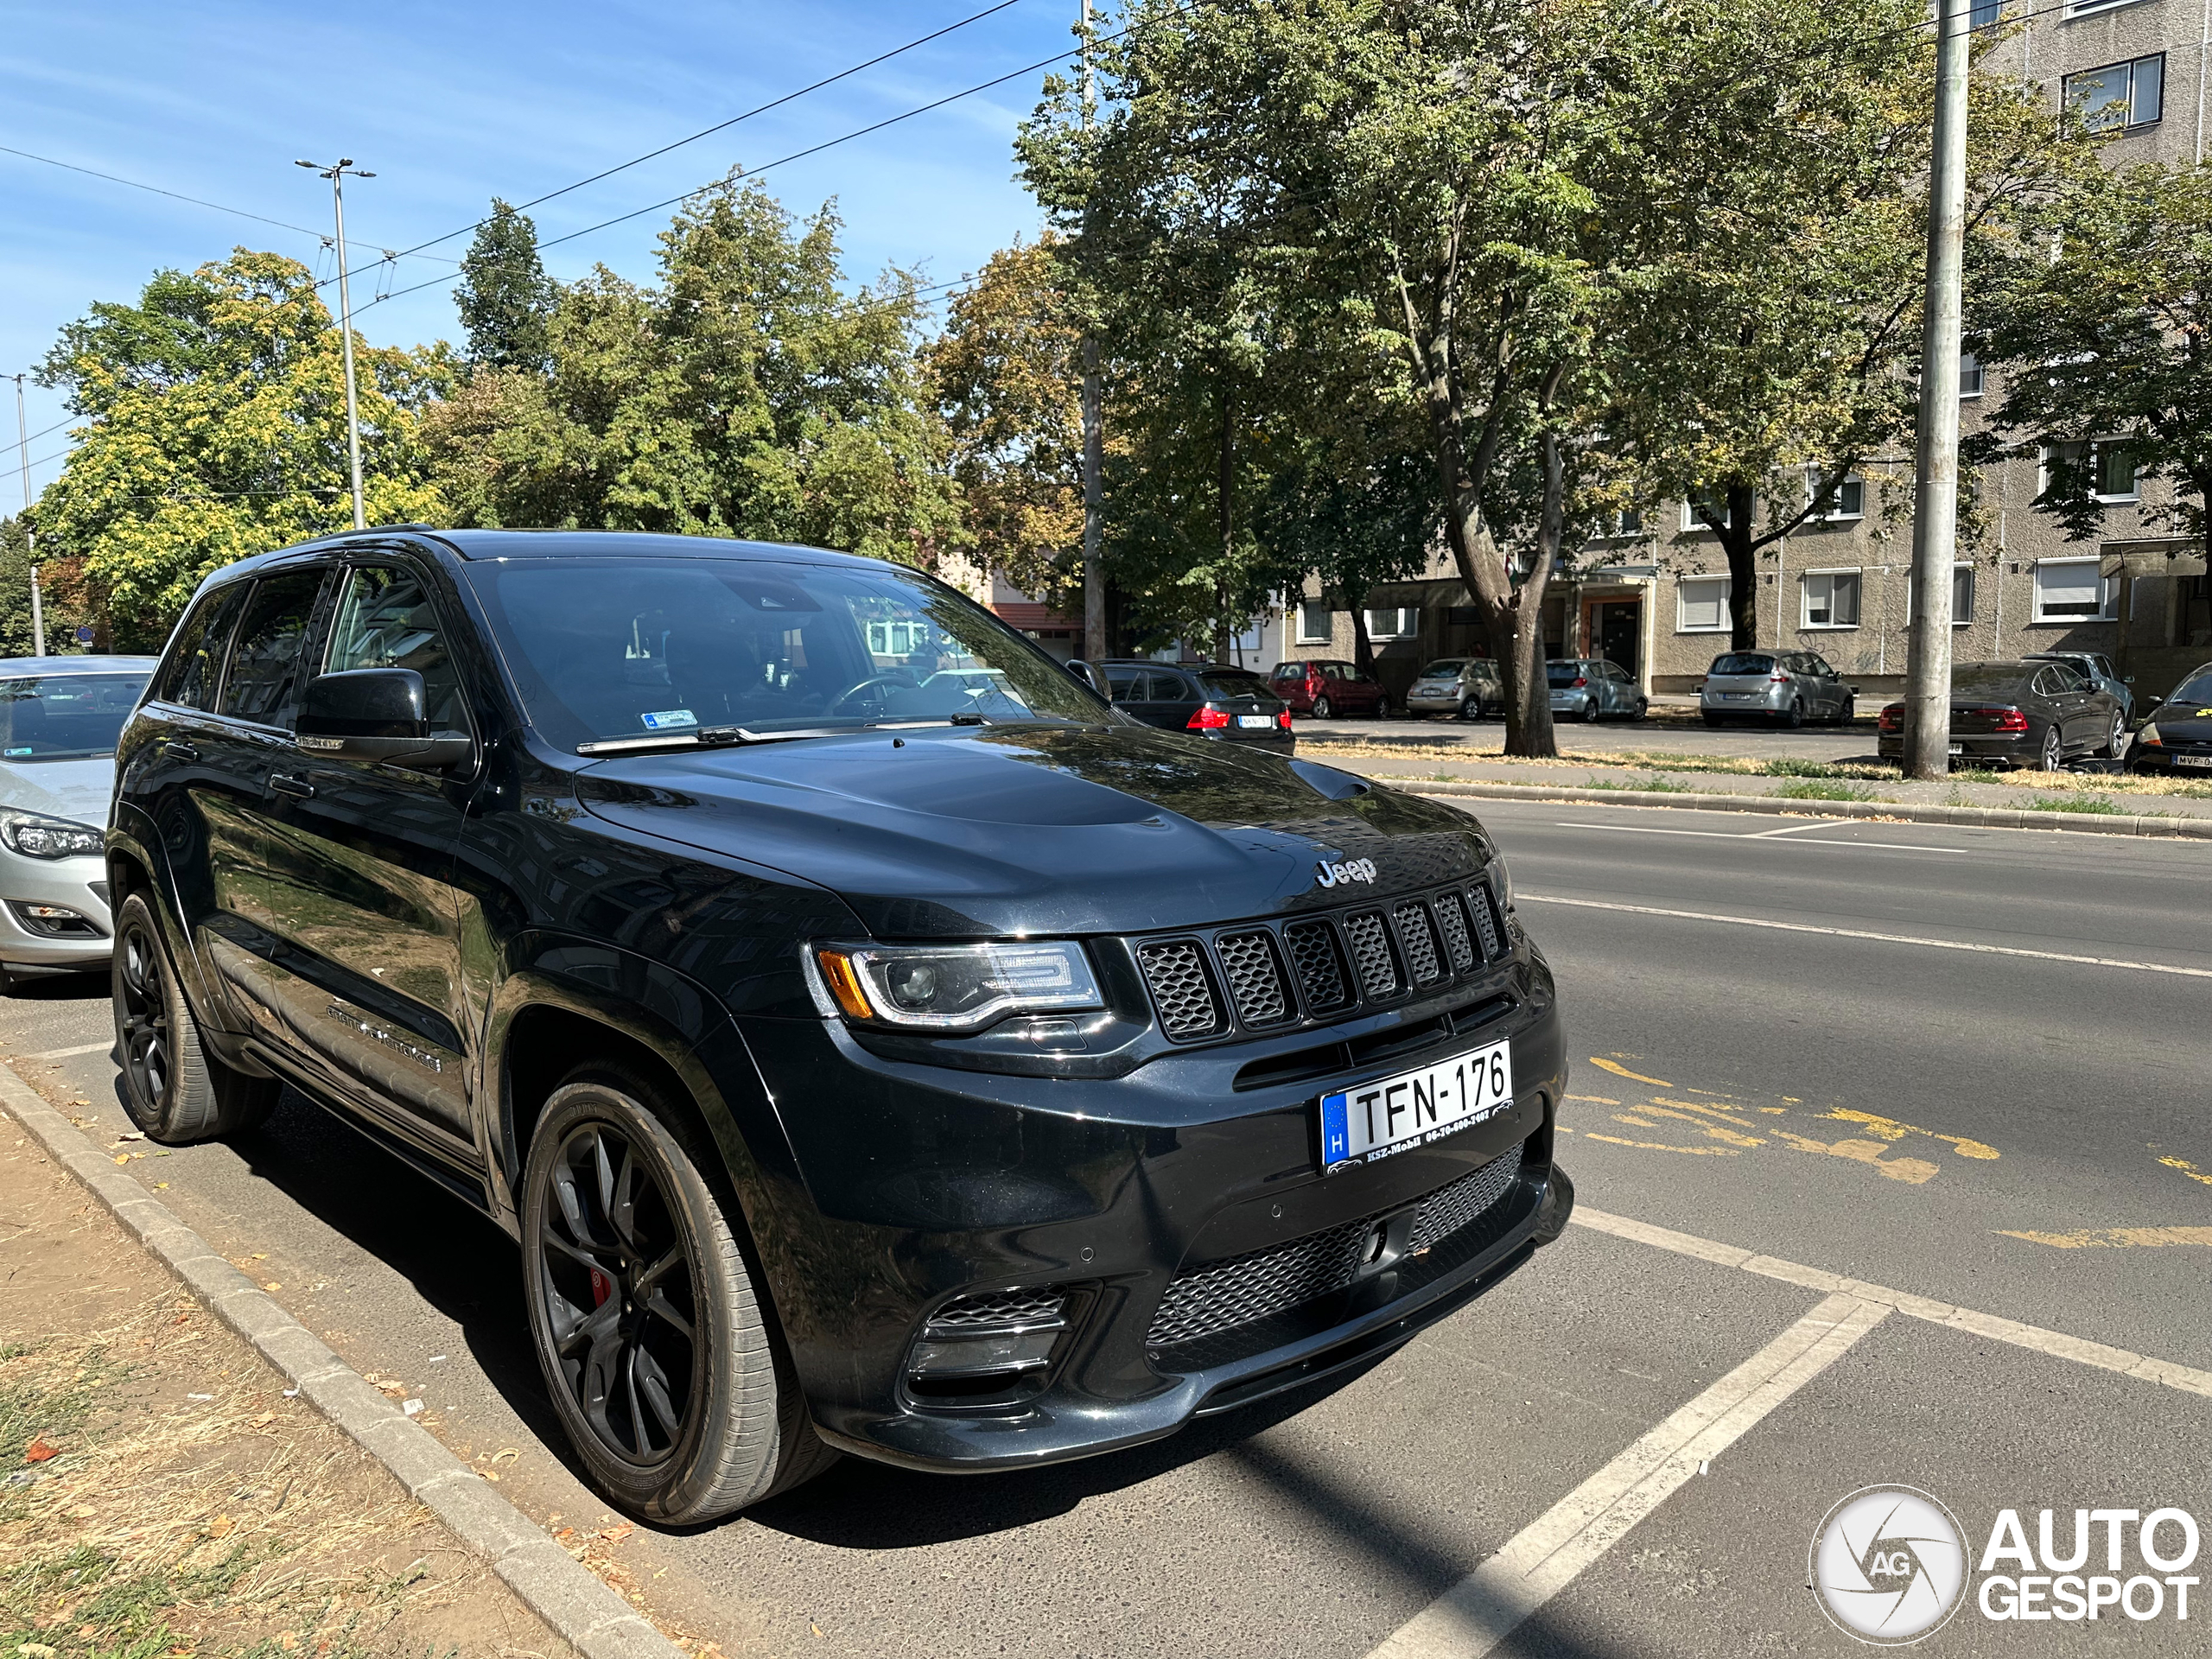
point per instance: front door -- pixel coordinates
(360, 859)
(1620, 634)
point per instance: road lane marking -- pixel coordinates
(1768, 835)
(2117, 1238)
(1864, 933)
(67, 1053)
(2055, 1344)
(1787, 830)
(1483, 1609)
(2181, 1164)
(1620, 1071)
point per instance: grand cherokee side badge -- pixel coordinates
(1358, 869)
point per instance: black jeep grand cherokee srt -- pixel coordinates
(874, 1041)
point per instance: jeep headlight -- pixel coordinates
(956, 986)
(37, 837)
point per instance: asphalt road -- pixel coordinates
(1671, 734)
(2012, 1130)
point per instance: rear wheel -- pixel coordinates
(2115, 739)
(1321, 708)
(2053, 749)
(1711, 719)
(1590, 711)
(173, 1087)
(648, 1322)
(1794, 718)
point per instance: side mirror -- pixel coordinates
(1087, 674)
(375, 714)
(2130, 680)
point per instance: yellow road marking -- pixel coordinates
(1594, 1100)
(1717, 1131)
(1890, 1129)
(1661, 1146)
(1636, 1122)
(1914, 1172)
(2188, 1169)
(1620, 1071)
(2117, 1238)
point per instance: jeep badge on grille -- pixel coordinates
(1358, 869)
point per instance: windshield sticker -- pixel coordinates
(669, 719)
(15, 752)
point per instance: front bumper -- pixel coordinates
(927, 1186)
(31, 943)
(2166, 761)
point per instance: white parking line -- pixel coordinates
(1769, 834)
(1480, 1611)
(1863, 933)
(67, 1053)
(2055, 1344)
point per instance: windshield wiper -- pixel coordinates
(724, 737)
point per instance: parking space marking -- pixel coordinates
(1863, 933)
(2055, 1344)
(1769, 834)
(67, 1053)
(1480, 1611)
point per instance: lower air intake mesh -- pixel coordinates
(1000, 1310)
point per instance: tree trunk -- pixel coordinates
(1742, 572)
(1225, 489)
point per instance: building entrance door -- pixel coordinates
(1618, 633)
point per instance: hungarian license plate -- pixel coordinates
(1958, 749)
(1390, 1115)
(2193, 759)
(1254, 723)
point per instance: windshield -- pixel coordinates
(625, 648)
(2197, 688)
(1447, 669)
(66, 716)
(1742, 662)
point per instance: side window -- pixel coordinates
(1171, 687)
(2046, 682)
(385, 620)
(2069, 677)
(196, 667)
(1124, 685)
(1283, 671)
(263, 684)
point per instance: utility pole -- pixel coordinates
(337, 174)
(1095, 645)
(1935, 477)
(30, 540)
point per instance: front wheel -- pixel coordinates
(172, 1089)
(1642, 709)
(1590, 711)
(648, 1324)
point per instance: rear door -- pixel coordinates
(1173, 698)
(359, 860)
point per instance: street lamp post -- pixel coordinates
(337, 174)
(30, 540)
(1094, 448)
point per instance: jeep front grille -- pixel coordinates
(1181, 987)
(1370, 949)
(1419, 942)
(1255, 974)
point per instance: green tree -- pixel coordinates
(2113, 338)
(745, 395)
(215, 428)
(505, 298)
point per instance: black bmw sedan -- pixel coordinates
(875, 1040)
(2176, 738)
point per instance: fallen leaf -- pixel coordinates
(272, 1285)
(123, 1160)
(218, 1527)
(39, 1452)
(264, 1420)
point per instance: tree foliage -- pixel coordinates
(505, 299)
(216, 429)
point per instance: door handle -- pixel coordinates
(284, 784)
(180, 750)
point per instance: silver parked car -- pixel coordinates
(1465, 686)
(1786, 688)
(1589, 688)
(59, 719)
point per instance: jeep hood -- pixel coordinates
(1039, 828)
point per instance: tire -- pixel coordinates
(1322, 710)
(1850, 712)
(2115, 739)
(172, 1089)
(2053, 758)
(1794, 720)
(682, 1405)
(1711, 719)
(1642, 709)
(1590, 711)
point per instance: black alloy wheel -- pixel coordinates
(622, 1292)
(142, 1014)
(172, 1087)
(2116, 738)
(2053, 749)
(1643, 708)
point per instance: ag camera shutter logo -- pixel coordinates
(1889, 1565)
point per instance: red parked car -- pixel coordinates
(1325, 688)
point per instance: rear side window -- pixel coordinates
(196, 666)
(263, 681)
(1171, 687)
(1743, 662)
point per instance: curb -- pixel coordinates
(574, 1601)
(1988, 817)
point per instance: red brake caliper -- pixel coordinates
(602, 1288)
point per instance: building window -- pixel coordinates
(1315, 622)
(1831, 598)
(895, 638)
(1986, 13)
(1701, 605)
(1961, 595)
(2111, 462)
(2088, 8)
(2073, 590)
(1850, 497)
(1969, 375)
(1615, 526)
(1394, 625)
(1713, 503)
(2127, 95)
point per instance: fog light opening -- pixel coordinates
(987, 1350)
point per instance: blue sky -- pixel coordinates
(451, 105)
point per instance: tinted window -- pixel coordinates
(1447, 669)
(1287, 670)
(2070, 678)
(1563, 673)
(1171, 687)
(1232, 683)
(613, 648)
(263, 684)
(385, 620)
(195, 665)
(2197, 688)
(1742, 662)
(2001, 680)
(65, 716)
(1125, 684)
